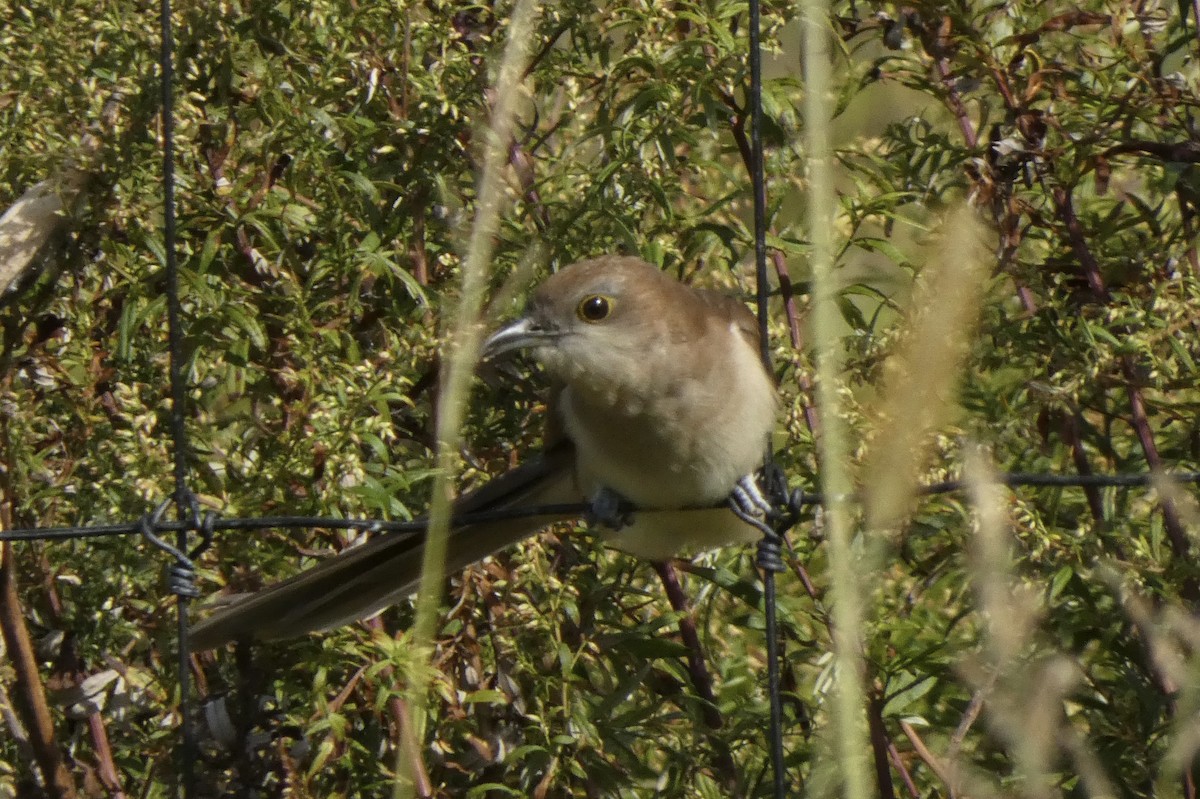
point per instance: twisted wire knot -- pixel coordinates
(181, 574)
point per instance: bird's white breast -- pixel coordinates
(680, 433)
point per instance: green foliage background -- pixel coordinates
(327, 164)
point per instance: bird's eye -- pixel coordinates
(594, 308)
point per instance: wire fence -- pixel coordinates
(209, 522)
(203, 526)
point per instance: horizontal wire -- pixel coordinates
(1011, 479)
(266, 522)
(1014, 479)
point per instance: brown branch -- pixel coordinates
(269, 179)
(803, 379)
(29, 695)
(1025, 295)
(215, 156)
(802, 575)
(1062, 22)
(1180, 546)
(402, 719)
(957, 106)
(1187, 216)
(1069, 432)
(1196, 14)
(737, 128)
(937, 44)
(879, 747)
(929, 758)
(910, 785)
(1002, 86)
(1172, 524)
(974, 708)
(1184, 152)
(404, 737)
(106, 768)
(522, 163)
(405, 66)
(789, 298)
(417, 250)
(68, 672)
(547, 47)
(1065, 207)
(701, 679)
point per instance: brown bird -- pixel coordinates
(659, 399)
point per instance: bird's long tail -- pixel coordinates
(365, 579)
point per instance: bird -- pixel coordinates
(658, 401)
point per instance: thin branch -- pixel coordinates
(402, 720)
(701, 679)
(880, 746)
(404, 738)
(1172, 524)
(16, 730)
(1182, 152)
(957, 106)
(937, 44)
(106, 768)
(1060, 23)
(789, 298)
(29, 695)
(929, 758)
(1196, 17)
(1069, 431)
(522, 163)
(1065, 207)
(898, 763)
(974, 707)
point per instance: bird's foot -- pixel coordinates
(747, 502)
(767, 505)
(609, 509)
(748, 498)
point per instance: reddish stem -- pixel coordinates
(701, 679)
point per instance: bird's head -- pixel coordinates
(592, 320)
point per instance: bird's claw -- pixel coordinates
(747, 502)
(609, 510)
(748, 498)
(769, 506)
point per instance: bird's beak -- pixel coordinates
(519, 335)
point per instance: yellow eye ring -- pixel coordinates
(594, 308)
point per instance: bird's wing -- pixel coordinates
(363, 580)
(743, 320)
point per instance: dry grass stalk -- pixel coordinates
(464, 336)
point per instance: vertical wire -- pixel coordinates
(178, 434)
(175, 371)
(758, 179)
